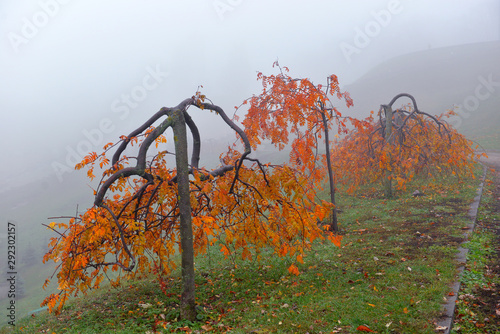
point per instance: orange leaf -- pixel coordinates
(363, 328)
(225, 250)
(294, 270)
(336, 239)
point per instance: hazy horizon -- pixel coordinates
(77, 75)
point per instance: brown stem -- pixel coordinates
(334, 222)
(188, 311)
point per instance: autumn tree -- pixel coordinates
(145, 211)
(297, 112)
(395, 145)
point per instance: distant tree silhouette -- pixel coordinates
(30, 258)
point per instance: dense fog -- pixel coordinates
(78, 74)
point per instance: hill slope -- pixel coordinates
(467, 76)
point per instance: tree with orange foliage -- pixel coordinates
(145, 212)
(399, 145)
(297, 111)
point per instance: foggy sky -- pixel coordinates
(78, 72)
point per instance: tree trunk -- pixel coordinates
(188, 311)
(388, 140)
(333, 223)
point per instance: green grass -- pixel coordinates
(488, 141)
(33, 277)
(477, 305)
(395, 265)
(33, 237)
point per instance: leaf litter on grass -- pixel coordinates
(367, 282)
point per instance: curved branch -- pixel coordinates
(404, 95)
(140, 168)
(122, 238)
(439, 123)
(229, 122)
(137, 131)
(129, 171)
(162, 112)
(195, 155)
(239, 131)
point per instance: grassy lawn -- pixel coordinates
(391, 275)
(477, 307)
(489, 141)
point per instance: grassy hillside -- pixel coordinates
(391, 274)
(440, 79)
(29, 207)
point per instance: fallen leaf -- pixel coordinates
(207, 328)
(363, 328)
(441, 328)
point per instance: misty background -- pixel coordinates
(76, 75)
